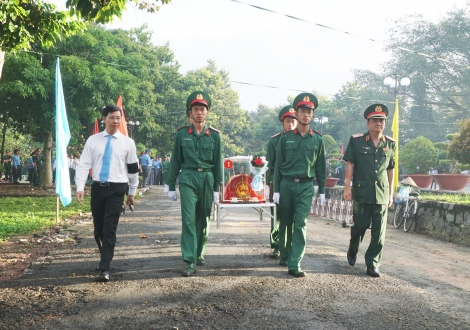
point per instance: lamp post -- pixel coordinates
(321, 120)
(131, 124)
(395, 87)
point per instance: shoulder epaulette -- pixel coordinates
(275, 135)
(182, 127)
(357, 135)
(390, 138)
(317, 132)
(214, 129)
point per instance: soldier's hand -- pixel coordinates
(172, 195)
(390, 202)
(166, 189)
(322, 199)
(276, 197)
(347, 193)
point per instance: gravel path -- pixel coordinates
(425, 283)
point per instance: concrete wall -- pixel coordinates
(445, 221)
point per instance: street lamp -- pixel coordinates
(395, 87)
(321, 120)
(131, 124)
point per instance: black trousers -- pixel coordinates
(106, 203)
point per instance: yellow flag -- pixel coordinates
(395, 130)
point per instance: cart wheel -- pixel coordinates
(344, 224)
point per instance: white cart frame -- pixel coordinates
(259, 207)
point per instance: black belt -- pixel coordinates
(296, 180)
(200, 169)
(107, 184)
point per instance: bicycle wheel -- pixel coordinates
(398, 216)
(412, 214)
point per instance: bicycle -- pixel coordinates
(406, 212)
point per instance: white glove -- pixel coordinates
(166, 189)
(322, 199)
(216, 197)
(172, 195)
(276, 197)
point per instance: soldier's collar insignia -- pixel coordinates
(306, 98)
(199, 97)
(207, 132)
(296, 131)
(190, 130)
(311, 133)
(367, 138)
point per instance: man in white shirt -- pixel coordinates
(113, 160)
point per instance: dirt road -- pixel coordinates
(425, 283)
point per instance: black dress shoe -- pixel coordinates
(296, 273)
(104, 276)
(373, 271)
(275, 254)
(352, 259)
(283, 263)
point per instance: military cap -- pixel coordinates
(287, 111)
(198, 98)
(306, 100)
(376, 111)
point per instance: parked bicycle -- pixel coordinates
(406, 212)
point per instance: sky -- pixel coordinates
(264, 48)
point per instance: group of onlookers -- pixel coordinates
(153, 170)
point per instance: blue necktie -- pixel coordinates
(104, 174)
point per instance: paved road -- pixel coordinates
(425, 282)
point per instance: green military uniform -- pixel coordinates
(199, 156)
(298, 160)
(370, 190)
(7, 159)
(286, 111)
(165, 168)
(38, 166)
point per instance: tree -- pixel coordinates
(419, 156)
(459, 147)
(439, 88)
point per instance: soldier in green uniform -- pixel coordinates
(370, 162)
(198, 153)
(7, 166)
(165, 168)
(289, 122)
(37, 166)
(300, 156)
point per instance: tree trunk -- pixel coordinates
(46, 171)
(2, 61)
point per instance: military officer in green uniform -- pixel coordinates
(197, 151)
(289, 122)
(300, 156)
(37, 163)
(370, 163)
(7, 166)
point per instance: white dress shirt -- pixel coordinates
(123, 153)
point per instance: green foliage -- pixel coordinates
(459, 147)
(462, 199)
(418, 156)
(23, 215)
(450, 137)
(329, 142)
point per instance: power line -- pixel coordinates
(354, 35)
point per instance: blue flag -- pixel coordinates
(62, 138)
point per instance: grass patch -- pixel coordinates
(463, 199)
(24, 215)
